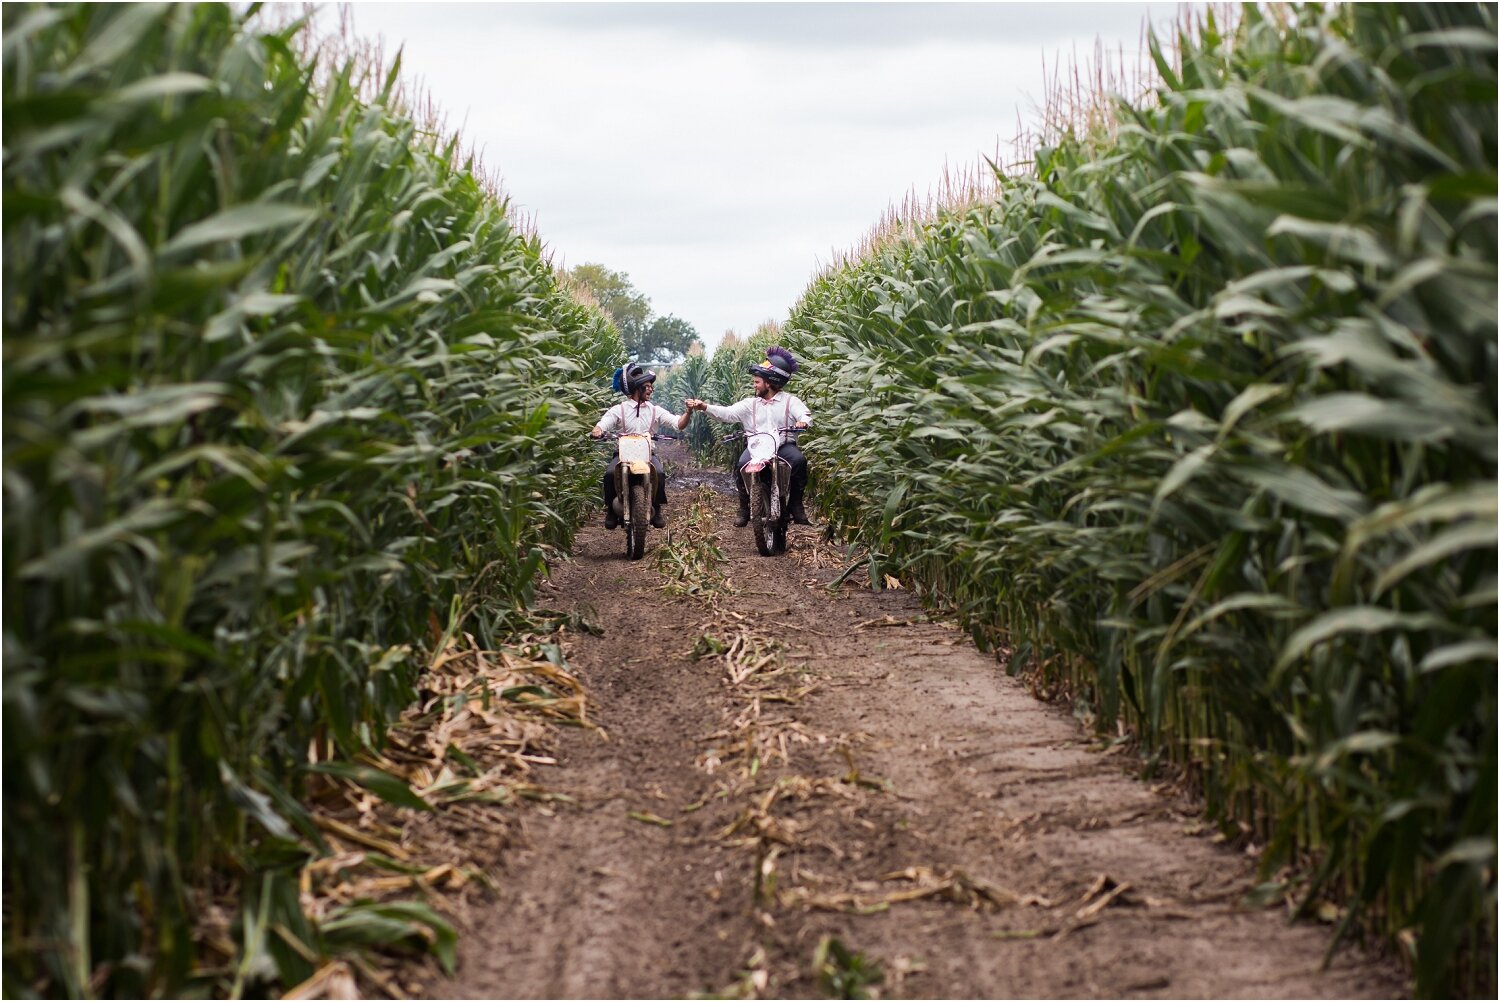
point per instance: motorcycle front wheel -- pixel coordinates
(638, 515)
(761, 524)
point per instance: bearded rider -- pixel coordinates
(636, 415)
(770, 411)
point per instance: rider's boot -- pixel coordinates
(611, 520)
(743, 518)
(657, 518)
(794, 504)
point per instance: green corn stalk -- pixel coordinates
(688, 381)
(1199, 419)
(286, 399)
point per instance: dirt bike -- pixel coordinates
(768, 480)
(635, 487)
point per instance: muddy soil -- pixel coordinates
(804, 790)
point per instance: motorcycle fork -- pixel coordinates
(622, 489)
(780, 472)
(751, 480)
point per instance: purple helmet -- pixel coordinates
(778, 367)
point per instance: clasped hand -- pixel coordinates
(694, 404)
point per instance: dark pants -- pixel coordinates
(609, 482)
(792, 455)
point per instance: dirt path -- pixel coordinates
(873, 779)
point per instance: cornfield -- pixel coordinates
(287, 402)
(1198, 419)
(684, 381)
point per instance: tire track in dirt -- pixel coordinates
(875, 780)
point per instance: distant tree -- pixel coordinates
(648, 338)
(625, 304)
(667, 338)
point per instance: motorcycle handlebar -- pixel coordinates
(654, 438)
(739, 436)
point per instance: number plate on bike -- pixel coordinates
(635, 449)
(761, 446)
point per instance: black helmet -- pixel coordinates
(631, 377)
(778, 367)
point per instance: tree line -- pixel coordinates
(648, 338)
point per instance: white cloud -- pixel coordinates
(717, 155)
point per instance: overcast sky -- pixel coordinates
(718, 152)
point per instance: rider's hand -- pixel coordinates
(801, 424)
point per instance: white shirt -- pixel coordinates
(632, 418)
(756, 415)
